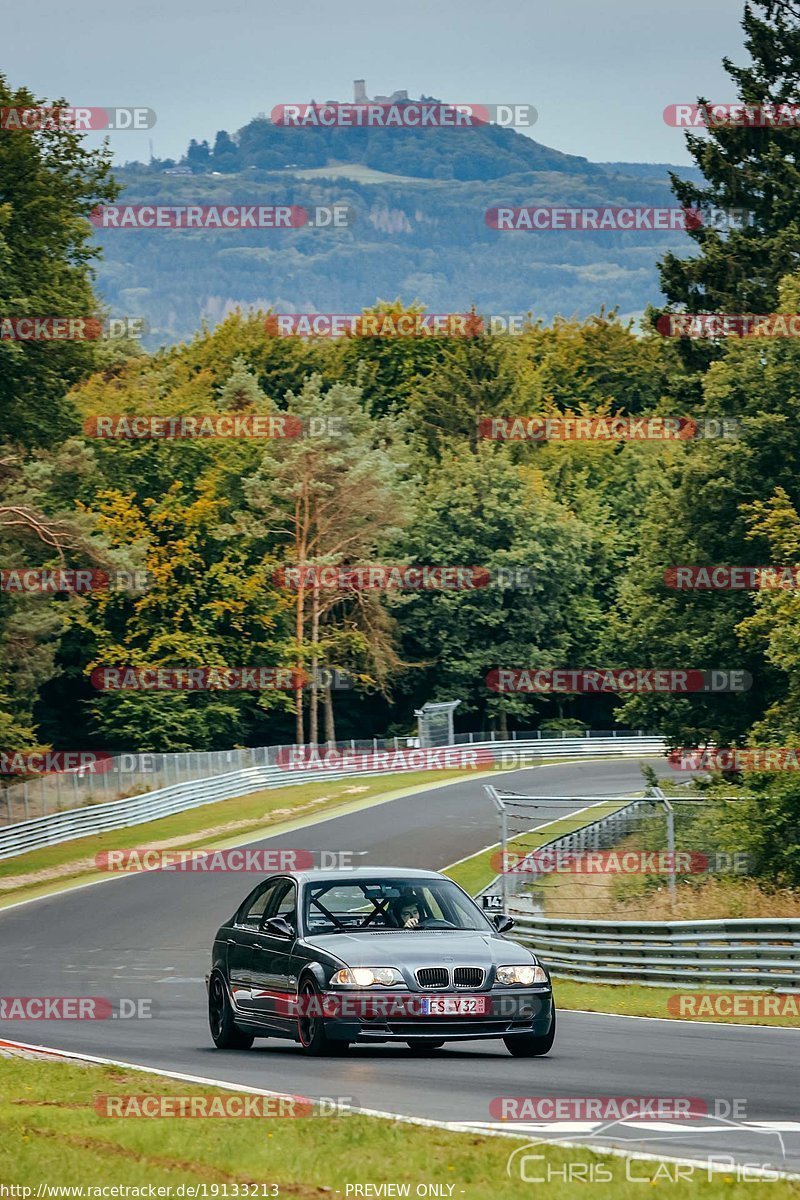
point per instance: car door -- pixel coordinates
(274, 965)
(242, 960)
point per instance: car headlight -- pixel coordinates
(524, 975)
(364, 977)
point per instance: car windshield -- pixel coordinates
(387, 905)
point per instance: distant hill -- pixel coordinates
(647, 170)
(420, 233)
(488, 152)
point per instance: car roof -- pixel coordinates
(356, 873)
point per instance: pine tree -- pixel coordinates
(241, 390)
(750, 168)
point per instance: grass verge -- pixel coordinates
(52, 1135)
(474, 873)
(638, 1000)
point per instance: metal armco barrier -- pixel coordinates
(136, 810)
(736, 953)
(763, 952)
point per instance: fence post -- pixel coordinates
(671, 852)
(503, 858)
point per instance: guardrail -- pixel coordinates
(148, 806)
(736, 953)
(762, 952)
(116, 777)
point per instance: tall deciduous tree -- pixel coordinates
(331, 496)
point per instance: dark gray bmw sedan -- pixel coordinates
(376, 954)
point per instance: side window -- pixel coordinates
(254, 908)
(283, 902)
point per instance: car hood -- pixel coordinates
(421, 948)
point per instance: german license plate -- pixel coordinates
(455, 1006)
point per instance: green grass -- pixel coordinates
(237, 820)
(638, 1000)
(50, 1133)
(474, 873)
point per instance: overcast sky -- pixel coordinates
(599, 74)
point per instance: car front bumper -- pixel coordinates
(511, 1010)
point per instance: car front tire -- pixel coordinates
(226, 1033)
(531, 1045)
(311, 1029)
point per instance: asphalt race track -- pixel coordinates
(148, 936)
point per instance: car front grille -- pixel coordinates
(439, 977)
(468, 977)
(433, 977)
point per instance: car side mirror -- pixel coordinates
(503, 923)
(278, 927)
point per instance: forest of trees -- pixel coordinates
(406, 478)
